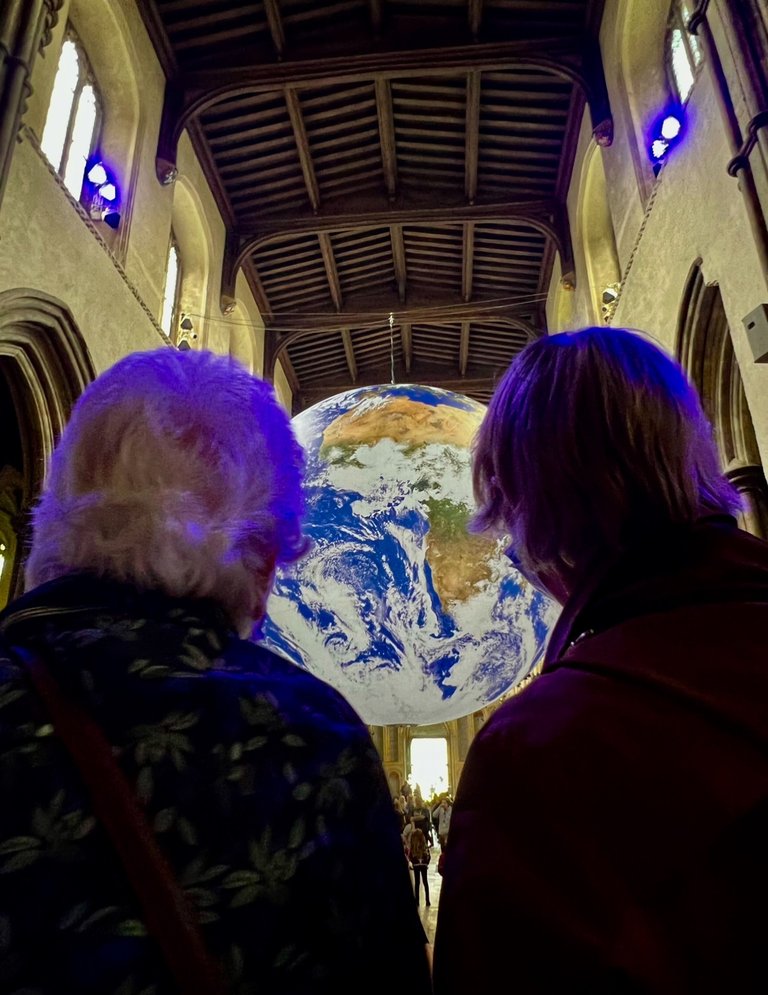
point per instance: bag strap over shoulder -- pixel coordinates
(169, 917)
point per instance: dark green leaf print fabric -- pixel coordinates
(262, 786)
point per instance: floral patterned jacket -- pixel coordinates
(261, 783)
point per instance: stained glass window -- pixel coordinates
(71, 125)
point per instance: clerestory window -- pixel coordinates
(172, 292)
(684, 54)
(74, 115)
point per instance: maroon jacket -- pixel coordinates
(610, 831)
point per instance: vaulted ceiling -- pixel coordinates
(392, 174)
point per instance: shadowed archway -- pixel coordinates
(45, 366)
(705, 350)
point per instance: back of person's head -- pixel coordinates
(177, 471)
(593, 441)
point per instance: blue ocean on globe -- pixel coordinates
(410, 617)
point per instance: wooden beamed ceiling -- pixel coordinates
(392, 174)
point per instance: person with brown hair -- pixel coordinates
(419, 854)
(608, 833)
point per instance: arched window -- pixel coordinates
(74, 113)
(172, 290)
(683, 51)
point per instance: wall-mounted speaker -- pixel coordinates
(756, 324)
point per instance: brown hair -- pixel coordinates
(592, 440)
(418, 844)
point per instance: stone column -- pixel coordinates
(25, 28)
(750, 482)
(745, 28)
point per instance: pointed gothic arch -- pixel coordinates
(46, 365)
(705, 350)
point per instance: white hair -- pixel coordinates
(177, 471)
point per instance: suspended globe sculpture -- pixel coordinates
(396, 605)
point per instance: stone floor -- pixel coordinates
(428, 914)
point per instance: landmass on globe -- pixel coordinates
(408, 421)
(458, 560)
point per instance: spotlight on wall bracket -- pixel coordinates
(609, 300)
(187, 334)
(104, 194)
(97, 174)
(756, 327)
(665, 134)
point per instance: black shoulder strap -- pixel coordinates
(169, 917)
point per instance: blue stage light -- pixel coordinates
(108, 191)
(664, 135)
(97, 174)
(671, 127)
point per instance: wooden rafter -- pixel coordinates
(472, 135)
(468, 260)
(365, 211)
(549, 54)
(302, 146)
(387, 135)
(275, 21)
(464, 348)
(547, 218)
(475, 16)
(374, 7)
(349, 352)
(407, 343)
(374, 309)
(482, 384)
(257, 289)
(290, 374)
(398, 259)
(553, 56)
(326, 247)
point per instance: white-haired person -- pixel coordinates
(609, 830)
(182, 810)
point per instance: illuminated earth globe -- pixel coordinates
(414, 620)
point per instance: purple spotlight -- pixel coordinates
(97, 174)
(665, 134)
(671, 127)
(108, 191)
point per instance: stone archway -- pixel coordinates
(45, 365)
(598, 238)
(705, 350)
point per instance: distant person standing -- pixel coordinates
(420, 814)
(407, 796)
(399, 813)
(443, 820)
(419, 863)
